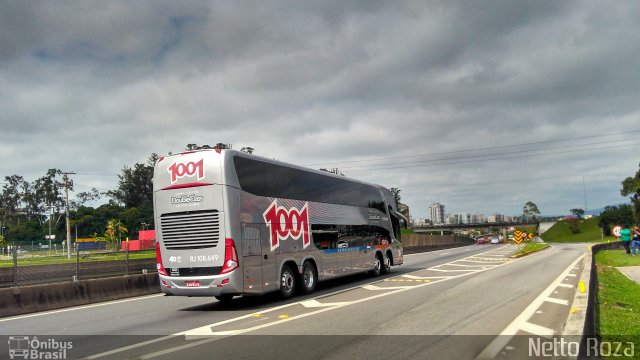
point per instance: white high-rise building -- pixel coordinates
(436, 212)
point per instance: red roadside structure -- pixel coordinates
(146, 240)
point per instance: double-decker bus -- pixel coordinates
(230, 223)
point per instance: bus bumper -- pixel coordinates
(201, 286)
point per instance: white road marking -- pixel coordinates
(315, 303)
(80, 307)
(408, 276)
(378, 288)
(207, 330)
(537, 329)
(505, 336)
(565, 285)
(449, 270)
(557, 301)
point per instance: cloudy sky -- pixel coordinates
(479, 105)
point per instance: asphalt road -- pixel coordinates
(461, 303)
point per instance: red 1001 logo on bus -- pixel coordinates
(179, 170)
(284, 223)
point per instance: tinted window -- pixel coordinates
(347, 236)
(265, 179)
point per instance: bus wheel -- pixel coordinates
(225, 298)
(309, 278)
(287, 282)
(377, 265)
(386, 265)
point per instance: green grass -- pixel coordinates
(529, 248)
(407, 231)
(589, 231)
(618, 303)
(84, 257)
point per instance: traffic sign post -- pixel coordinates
(615, 231)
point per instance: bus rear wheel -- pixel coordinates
(377, 265)
(309, 278)
(386, 264)
(287, 282)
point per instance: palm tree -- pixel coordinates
(114, 232)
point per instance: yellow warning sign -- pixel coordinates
(518, 236)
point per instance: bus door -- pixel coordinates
(343, 255)
(257, 262)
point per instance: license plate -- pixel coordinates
(192, 283)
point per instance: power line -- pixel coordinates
(477, 149)
(373, 167)
(530, 152)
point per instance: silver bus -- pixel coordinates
(229, 223)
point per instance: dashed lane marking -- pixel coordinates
(209, 330)
(557, 301)
(536, 329)
(521, 322)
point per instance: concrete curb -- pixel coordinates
(30, 299)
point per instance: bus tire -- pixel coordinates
(377, 265)
(287, 282)
(309, 278)
(386, 265)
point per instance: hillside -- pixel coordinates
(589, 231)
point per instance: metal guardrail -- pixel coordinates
(87, 265)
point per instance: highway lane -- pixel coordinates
(473, 293)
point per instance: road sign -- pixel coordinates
(531, 236)
(616, 231)
(518, 236)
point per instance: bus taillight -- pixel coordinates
(159, 265)
(230, 256)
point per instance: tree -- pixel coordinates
(48, 192)
(114, 232)
(396, 195)
(11, 196)
(631, 188)
(248, 149)
(579, 213)
(530, 210)
(615, 215)
(135, 188)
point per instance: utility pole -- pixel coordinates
(66, 197)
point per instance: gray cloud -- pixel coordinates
(92, 87)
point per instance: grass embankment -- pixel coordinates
(585, 231)
(528, 248)
(618, 303)
(84, 257)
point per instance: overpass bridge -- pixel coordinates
(453, 227)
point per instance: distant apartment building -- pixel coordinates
(436, 212)
(406, 211)
(420, 222)
(477, 218)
